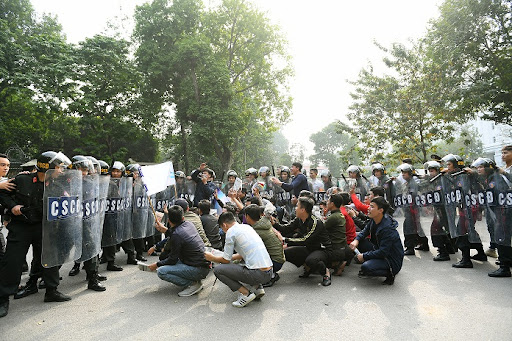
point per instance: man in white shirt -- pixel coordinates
(257, 267)
(316, 185)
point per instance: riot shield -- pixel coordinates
(150, 225)
(140, 209)
(466, 211)
(408, 197)
(433, 192)
(91, 217)
(62, 217)
(124, 228)
(104, 182)
(499, 201)
(113, 213)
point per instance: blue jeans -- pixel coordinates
(182, 274)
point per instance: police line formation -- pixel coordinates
(72, 210)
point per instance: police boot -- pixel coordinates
(442, 255)
(112, 267)
(99, 277)
(449, 247)
(29, 289)
(503, 271)
(52, 295)
(94, 284)
(141, 258)
(4, 307)
(75, 270)
(131, 259)
(481, 256)
(465, 262)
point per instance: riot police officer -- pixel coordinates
(25, 205)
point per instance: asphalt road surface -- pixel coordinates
(429, 301)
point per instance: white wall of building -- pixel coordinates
(494, 137)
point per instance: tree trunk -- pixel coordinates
(184, 145)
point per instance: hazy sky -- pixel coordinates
(330, 41)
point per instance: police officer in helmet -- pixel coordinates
(25, 205)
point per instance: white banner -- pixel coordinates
(157, 178)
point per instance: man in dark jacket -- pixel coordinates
(210, 226)
(203, 177)
(387, 255)
(186, 265)
(310, 245)
(299, 182)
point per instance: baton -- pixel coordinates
(343, 176)
(273, 172)
(213, 285)
(435, 177)
(364, 177)
(458, 173)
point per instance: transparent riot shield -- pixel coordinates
(104, 182)
(150, 225)
(409, 199)
(62, 217)
(466, 212)
(449, 187)
(140, 209)
(499, 200)
(124, 229)
(433, 193)
(113, 213)
(91, 217)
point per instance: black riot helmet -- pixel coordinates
(104, 167)
(50, 160)
(81, 162)
(132, 168)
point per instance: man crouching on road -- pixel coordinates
(186, 264)
(250, 248)
(387, 254)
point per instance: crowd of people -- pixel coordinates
(247, 228)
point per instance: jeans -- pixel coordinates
(182, 274)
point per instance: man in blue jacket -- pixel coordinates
(386, 256)
(299, 182)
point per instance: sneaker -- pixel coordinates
(191, 289)
(272, 281)
(259, 291)
(491, 253)
(243, 300)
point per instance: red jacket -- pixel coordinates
(349, 225)
(359, 205)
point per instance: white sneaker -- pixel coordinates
(491, 253)
(258, 291)
(191, 289)
(243, 300)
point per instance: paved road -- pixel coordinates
(429, 301)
